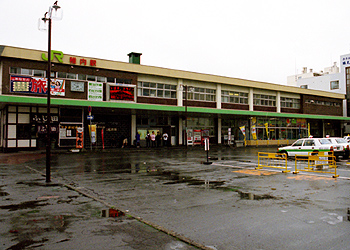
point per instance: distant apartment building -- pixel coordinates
(332, 79)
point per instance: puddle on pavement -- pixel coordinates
(124, 168)
(24, 205)
(173, 177)
(28, 225)
(40, 183)
(177, 178)
(251, 196)
(4, 193)
(26, 243)
(111, 212)
(227, 158)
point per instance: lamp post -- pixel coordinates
(186, 115)
(55, 14)
(186, 98)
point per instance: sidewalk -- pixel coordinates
(37, 215)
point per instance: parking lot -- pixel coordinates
(226, 205)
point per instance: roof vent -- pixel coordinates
(135, 58)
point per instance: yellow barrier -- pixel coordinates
(316, 162)
(272, 160)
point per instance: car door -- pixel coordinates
(296, 148)
(309, 146)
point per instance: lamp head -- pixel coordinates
(56, 12)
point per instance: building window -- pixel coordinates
(201, 94)
(264, 100)
(159, 90)
(304, 86)
(290, 103)
(234, 97)
(334, 85)
(27, 72)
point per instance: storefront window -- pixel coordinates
(23, 131)
(279, 128)
(200, 124)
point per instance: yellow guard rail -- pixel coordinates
(316, 162)
(272, 160)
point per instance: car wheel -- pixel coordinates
(284, 152)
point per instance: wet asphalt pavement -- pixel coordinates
(165, 192)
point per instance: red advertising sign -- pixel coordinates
(121, 93)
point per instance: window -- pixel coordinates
(160, 90)
(61, 74)
(39, 73)
(23, 131)
(14, 70)
(290, 103)
(334, 85)
(66, 75)
(27, 72)
(304, 86)
(234, 97)
(91, 78)
(81, 77)
(309, 143)
(71, 76)
(111, 79)
(200, 94)
(101, 79)
(264, 100)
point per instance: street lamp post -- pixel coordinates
(51, 14)
(186, 98)
(186, 116)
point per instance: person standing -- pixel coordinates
(153, 139)
(137, 139)
(165, 139)
(158, 139)
(148, 140)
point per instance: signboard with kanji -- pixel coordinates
(36, 85)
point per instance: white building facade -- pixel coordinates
(333, 79)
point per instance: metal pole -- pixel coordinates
(90, 136)
(186, 115)
(48, 129)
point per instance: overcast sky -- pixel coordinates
(263, 40)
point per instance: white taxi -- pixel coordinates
(310, 145)
(345, 146)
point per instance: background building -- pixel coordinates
(332, 79)
(130, 98)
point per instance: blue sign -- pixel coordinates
(90, 117)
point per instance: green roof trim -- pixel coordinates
(139, 106)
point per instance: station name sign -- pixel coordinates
(59, 56)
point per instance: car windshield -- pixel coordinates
(340, 140)
(324, 141)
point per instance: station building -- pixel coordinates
(130, 98)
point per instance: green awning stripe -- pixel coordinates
(139, 106)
